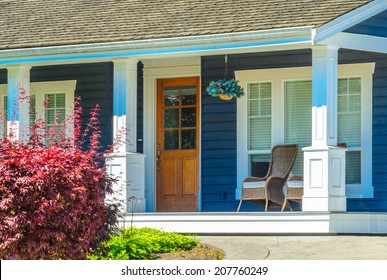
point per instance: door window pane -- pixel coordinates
(188, 95)
(188, 117)
(188, 139)
(171, 96)
(171, 139)
(171, 118)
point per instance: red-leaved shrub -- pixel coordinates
(52, 193)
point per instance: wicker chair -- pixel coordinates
(268, 191)
(294, 191)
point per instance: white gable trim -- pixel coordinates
(348, 20)
(358, 42)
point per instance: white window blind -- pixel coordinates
(4, 117)
(32, 109)
(259, 116)
(349, 125)
(298, 118)
(56, 111)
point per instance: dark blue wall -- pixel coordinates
(3, 76)
(218, 181)
(94, 86)
(376, 26)
(140, 106)
(219, 127)
(379, 127)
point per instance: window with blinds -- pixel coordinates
(298, 118)
(259, 116)
(55, 112)
(32, 109)
(4, 117)
(349, 125)
(259, 127)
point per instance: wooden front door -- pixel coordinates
(177, 144)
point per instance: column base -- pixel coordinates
(324, 204)
(324, 179)
(129, 190)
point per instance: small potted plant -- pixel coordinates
(225, 89)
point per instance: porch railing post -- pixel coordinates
(324, 162)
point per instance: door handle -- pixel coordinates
(158, 157)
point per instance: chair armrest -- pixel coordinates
(296, 178)
(254, 179)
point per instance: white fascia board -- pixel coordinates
(358, 42)
(203, 45)
(348, 20)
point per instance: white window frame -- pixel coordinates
(278, 77)
(40, 89)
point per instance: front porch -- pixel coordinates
(343, 81)
(262, 223)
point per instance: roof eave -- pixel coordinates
(143, 48)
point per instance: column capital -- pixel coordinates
(325, 47)
(127, 60)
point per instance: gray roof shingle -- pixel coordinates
(41, 23)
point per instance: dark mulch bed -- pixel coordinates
(200, 252)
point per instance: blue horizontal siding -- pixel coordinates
(218, 181)
(140, 107)
(219, 127)
(94, 86)
(3, 76)
(375, 26)
(379, 127)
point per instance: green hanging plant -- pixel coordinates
(225, 89)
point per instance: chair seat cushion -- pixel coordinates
(251, 185)
(296, 184)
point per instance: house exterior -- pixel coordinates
(314, 73)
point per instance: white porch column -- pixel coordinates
(125, 163)
(125, 102)
(18, 112)
(324, 162)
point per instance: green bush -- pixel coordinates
(143, 243)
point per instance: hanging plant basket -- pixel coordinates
(225, 89)
(225, 97)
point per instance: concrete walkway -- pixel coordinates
(300, 247)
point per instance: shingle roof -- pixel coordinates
(37, 23)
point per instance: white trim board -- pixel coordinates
(358, 42)
(348, 20)
(262, 222)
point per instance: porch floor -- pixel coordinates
(261, 222)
